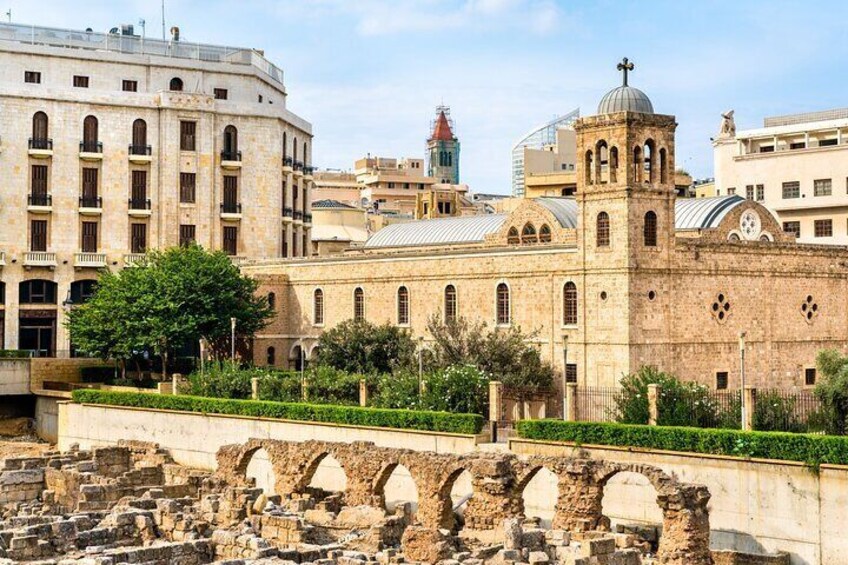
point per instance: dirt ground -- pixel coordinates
(17, 439)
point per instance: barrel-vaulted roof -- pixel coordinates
(690, 213)
(440, 231)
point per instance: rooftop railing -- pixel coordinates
(136, 45)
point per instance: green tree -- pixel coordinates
(173, 297)
(504, 354)
(832, 390)
(361, 347)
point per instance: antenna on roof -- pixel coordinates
(163, 20)
(9, 15)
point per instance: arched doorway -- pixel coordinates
(461, 490)
(259, 468)
(629, 499)
(296, 360)
(540, 496)
(398, 487)
(328, 478)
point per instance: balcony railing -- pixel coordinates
(139, 203)
(308, 170)
(143, 150)
(298, 215)
(298, 165)
(91, 147)
(230, 208)
(93, 260)
(39, 200)
(230, 155)
(288, 161)
(44, 144)
(132, 259)
(287, 212)
(91, 202)
(39, 259)
(307, 218)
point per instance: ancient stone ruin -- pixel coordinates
(132, 504)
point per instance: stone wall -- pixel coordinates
(498, 481)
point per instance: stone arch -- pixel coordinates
(625, 493)
(650, 157)
(663, 165)
(638, 166)
(259, 469)
(296, 356)
(528, 234)
(545, 234)
(512, 238)
(534, 491)
(601, 161)
(613, 164)
(393, 482)
(588, 167)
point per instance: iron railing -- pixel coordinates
(139, 203)
(297, 165)
(91, 147)
(298, 215)
(41, 143)
(230, 155)
(144, 150)
(288, 161)
(287, 212)
(91, 201)
(40, 200)
(230, 208)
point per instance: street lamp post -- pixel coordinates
(233, 340)
(745, 407)
(420, 363)
(564, 374)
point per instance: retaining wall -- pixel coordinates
(756, 505)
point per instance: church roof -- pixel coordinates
(564, 209)
(329, 204)
(442, 130)
(690, 213)
(462, 229)
(625, 99)
(703, 213)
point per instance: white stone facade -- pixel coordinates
(796, 166)
(138, 180)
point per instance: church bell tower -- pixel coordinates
(443, 149)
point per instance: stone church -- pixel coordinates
(619, 276)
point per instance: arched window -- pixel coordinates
(528, 234)
(90, 142)
(545, 234)
(176, 84)
(650, 229)
(318, 307)
(502, 306)
(569, 304)
(37, 291)
(603, 230)
(450, 303)
(663, 166)
(637, 164)
(359, 305)
(294, 148)
(40, 132)
(304, 154)
(2, 292)
(139, 138)
(613, 164)
(230, 152)
(602, 162)
(82, 290)
(270, 356)
(272, 300)
(588, 165)
(512, 237)
(649, 161)
(403, 306)
(285, 145)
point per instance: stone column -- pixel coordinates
(750, 401)
(495, 497)
(363, 393)
(579, 504)
(254, 388)
(654, 391)
(685, 537)
(570, 411)
(495, 401)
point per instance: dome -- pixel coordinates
(625, 99)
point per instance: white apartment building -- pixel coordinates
(112, 145)
(796, 165)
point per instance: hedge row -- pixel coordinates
(813, 450)
(351, 415)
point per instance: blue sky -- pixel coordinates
(368, 73)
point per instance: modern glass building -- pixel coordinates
(537, 138)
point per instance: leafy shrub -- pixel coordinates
(15, 354)
(399, 390)
(97, 374)
(281, 387)
(679, 403)
(222, 380)
(347, 415)
(461, 388)
(504, 354)
(832, 391)
(333, 386)
(364, 348)
(811, 449)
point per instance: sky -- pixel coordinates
(368, 74)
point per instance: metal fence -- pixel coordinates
(596, 404)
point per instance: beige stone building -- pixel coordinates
(111, 145)
(336, 227)
(621, 275)
(796, 166)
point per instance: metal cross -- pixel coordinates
(625, 65)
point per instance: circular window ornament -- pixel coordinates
(809, 309)
(720, 308)
(750, 225)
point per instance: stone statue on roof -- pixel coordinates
(728, 125)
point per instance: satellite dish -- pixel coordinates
(113, 31)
